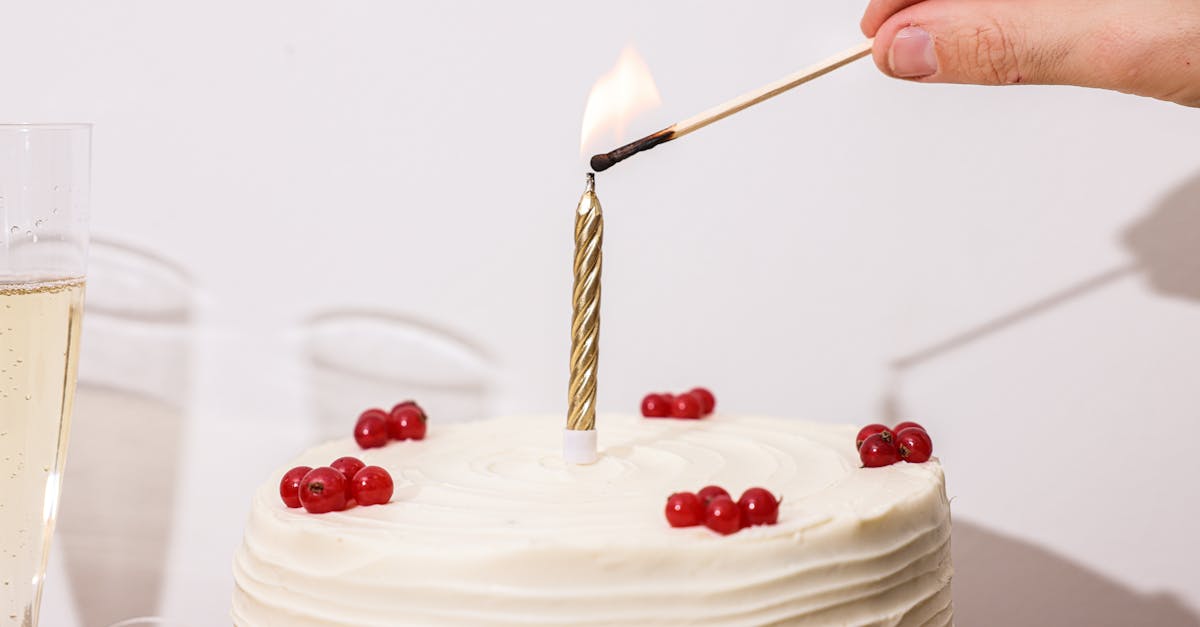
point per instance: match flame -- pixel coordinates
(620, 95)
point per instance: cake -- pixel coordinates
(489, 527)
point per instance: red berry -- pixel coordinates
(348, 466)
(708, 402)
(655, 406)
(723, 516)
(669, 399)
(686, 406)
(289, 486)
(759, 507)
(371, 429)
(398, 428)
(710, 492)
(877, 451)
(914, 445)
(323, 490)
(685, 509)
(372, 486)
(407, 422)
(871, 430)
(904, 425)
(411, 404)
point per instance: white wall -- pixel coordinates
(420, 158)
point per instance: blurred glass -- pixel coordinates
(134, 383)
(361, 359)
(147, 621)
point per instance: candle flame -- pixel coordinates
(621, 94)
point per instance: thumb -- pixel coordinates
(1153, 51)
(1090, 43)
(983, 42)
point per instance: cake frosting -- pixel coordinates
(489, 527)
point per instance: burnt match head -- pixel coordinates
(607, 160)
(603, 162)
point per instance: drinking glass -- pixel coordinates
(44, 185)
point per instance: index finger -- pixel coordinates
(878, 11)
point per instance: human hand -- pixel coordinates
(1145, 47)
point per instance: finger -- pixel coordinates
(1153, 51)
(984, 42)
(879, 11)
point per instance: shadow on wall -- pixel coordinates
(358, 359)
(134, 381)
(1167, 243)
(1165, 248)
(1001, 581)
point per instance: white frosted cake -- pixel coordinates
(488, 527)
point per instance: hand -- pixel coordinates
(1145, 47)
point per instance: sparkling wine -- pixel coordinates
(39, 348)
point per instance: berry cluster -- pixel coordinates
(332, 488)
(375, 427)
(881, 446)
(697, 403)
(714, 508)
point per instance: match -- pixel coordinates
(602, 162)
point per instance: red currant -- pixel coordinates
(708, 402)
(904, 425)
(914, 445)
(411, 404)
(348, 466)
(723, 516)
(397, 429)
(323, 490)
(684, 509)
(407, 422)
(371, 429)
(686, 406)
(759, 507)
(871, 430)
(710, 492)
(655, 406)
(289, 486)
(877, 451)
(372, 486)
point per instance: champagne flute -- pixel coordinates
(44, 186)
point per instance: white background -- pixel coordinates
(420, 159)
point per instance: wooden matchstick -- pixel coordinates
(605, 161)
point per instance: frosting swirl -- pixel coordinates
(489, 526)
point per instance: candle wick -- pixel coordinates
(591, 182)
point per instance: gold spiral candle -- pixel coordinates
(585, 321)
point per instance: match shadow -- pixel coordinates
(1001, 581)
(1165, 254)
